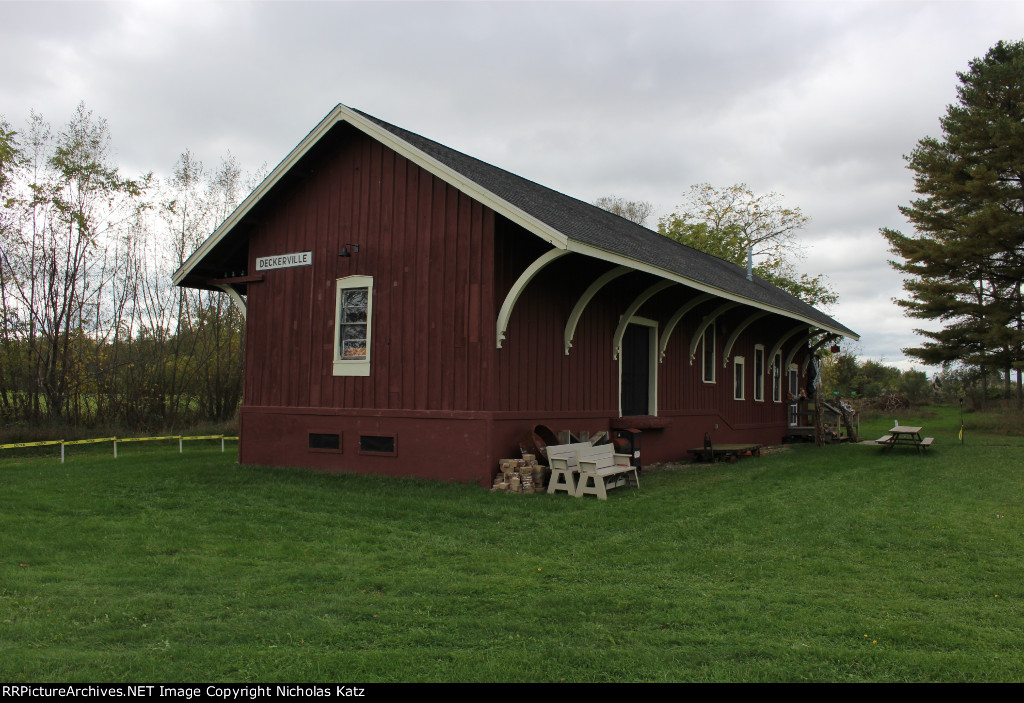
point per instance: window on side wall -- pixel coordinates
(777, 378)
(354, 301)
(759, 373)
(739, 391)
(708, 353)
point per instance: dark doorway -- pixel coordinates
(636, 370)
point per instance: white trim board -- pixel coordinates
(342, 113)
(652, 370)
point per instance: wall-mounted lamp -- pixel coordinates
(345, 252)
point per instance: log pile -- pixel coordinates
(524, 475)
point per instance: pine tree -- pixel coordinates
(965, 259)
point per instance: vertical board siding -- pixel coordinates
(536, 376)
(419, 238)
(442, 264)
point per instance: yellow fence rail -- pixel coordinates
(181, 440)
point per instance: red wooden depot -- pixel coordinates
(411, 310)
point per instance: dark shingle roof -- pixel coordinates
(603, 230)
(556, 217)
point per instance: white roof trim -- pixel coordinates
(341, 113)
(597, 253)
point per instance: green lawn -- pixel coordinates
(832, 564)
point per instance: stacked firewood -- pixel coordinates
(520, 475)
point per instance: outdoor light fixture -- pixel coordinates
(345, 252)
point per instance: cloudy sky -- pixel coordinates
(817, 101)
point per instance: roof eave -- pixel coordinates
(598, 253)
(342, 113)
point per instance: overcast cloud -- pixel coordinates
(816, 101)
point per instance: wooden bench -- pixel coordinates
(564, 464)
(927, 442)
(884, 440)
(601, 469)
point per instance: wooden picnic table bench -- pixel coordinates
(601, 468)
(564, 465)
(905, 436)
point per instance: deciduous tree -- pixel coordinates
(735, 224)
(633, 210)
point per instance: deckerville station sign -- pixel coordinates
(283, 261)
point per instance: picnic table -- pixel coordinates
(905, 436)
(727, 452)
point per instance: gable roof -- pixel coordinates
(561, 220)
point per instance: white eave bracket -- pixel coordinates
(519, 286)
(727, 349)
(797, 347)
(620, 331)
(705, 323)
(588, 295)
(236, 297)
(829, 336)
(782, 340)
(676, 318)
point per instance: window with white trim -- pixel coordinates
(777, 378)
(354, 301)
(708, 353)
(739, 390)
(759, 373)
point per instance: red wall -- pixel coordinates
(442, 265)
(422, 241)
(580, 391)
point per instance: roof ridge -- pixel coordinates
(563, 220)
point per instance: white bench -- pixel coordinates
(601, 468)
(564, 464)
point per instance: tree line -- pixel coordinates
(93, 332)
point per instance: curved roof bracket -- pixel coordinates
(676, 319)
(236, 297)
(782, 340)
(727, 349)
(588, 295)
(519, 286)
(828, 337)
(796, 348)
(648, 293)
(705, 323)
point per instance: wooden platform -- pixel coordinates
(726, 452)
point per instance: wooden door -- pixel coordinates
(636, 371)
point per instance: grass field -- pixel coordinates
(831, 564)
